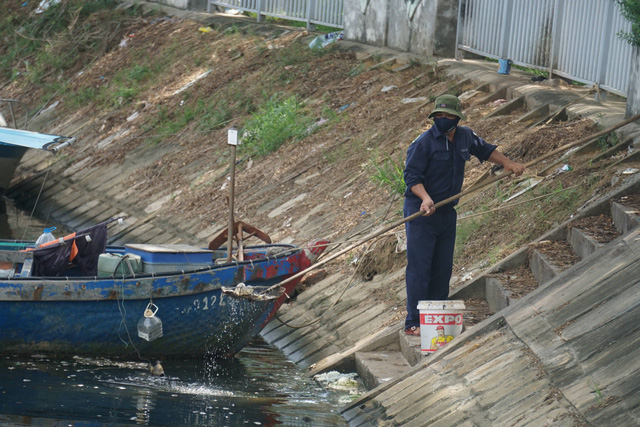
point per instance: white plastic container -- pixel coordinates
(150, 326)
(46, 237)
(440, 322)
(117, 265)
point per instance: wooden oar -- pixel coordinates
(451, 199)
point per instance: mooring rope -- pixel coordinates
(35, 205)
(349, 283)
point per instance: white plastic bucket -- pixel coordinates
(440, 322)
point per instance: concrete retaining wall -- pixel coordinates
(633, 91)
(424, 27)
(184, 4)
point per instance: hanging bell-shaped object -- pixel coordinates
(150, 326)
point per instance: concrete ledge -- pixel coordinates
(352, 411)
(411, 348)
(541, 267)
(507, 108)
(582, 244)
(624, 217)
(497, 297)
(375, 368)
(535, 114)
(498, 94)
(370, 343)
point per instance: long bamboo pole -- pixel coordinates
(451, 199)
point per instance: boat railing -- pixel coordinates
(17, 259)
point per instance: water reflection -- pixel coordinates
(144, 406)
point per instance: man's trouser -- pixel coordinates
(430, 243)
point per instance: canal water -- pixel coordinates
(258, 387)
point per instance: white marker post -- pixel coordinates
(232, 140)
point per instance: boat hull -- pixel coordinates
(193, 325)
(99, 317)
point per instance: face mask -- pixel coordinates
(445, 125)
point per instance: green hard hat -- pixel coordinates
(447, 104)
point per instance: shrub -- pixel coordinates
(389, 174)
(274, 124)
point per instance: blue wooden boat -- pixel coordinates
(52, 302)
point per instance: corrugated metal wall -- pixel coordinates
(319, 12)
(577, 39)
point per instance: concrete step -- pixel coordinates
(378, 367)
(624, 217)
(410, 348)
(548, 259)
(583, 244)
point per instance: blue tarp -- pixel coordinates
(25, 138)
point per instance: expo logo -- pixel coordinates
(441, 319)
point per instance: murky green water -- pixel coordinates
(258, 387)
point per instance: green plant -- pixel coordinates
(501, 195)
(233, 29)
(82, 96)
(168, 123)
(630, 9)
(139, 73)
(468, 228)
(607, 141)
(213, 116)
(358, 69)
(595, 389)
(36, 46)
(389, 174)
(494, 253)
(127, 84)
(273, 124)
(533, 71)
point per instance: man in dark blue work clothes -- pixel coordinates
(434, 171)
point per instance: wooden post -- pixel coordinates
(232, 140)
(240, 244)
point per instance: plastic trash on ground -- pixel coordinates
(315, 125)
(322, 41)
(412, 100)
(44, 5)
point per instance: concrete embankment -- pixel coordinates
(566, 353)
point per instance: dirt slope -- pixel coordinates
(135, 99)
